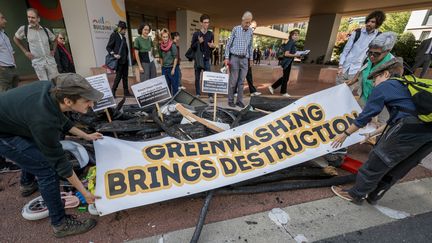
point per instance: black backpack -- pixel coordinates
(358, 33)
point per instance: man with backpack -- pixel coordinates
(41, 46)
(354, 52)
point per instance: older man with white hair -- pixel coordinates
(238, 55)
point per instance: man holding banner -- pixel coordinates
(31, 124)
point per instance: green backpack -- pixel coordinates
(421, 92)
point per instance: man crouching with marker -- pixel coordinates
(31, 124)
(401, 147)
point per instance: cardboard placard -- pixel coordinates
(100, 83)
(151, 91)
(215, 83)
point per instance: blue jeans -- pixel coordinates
(198, 76)
(171, 80)
(33, 163)
(178, 75)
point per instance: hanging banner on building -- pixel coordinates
(151, 91)
(100, 82)
(215, 82)
(104, 16)
(131, 174)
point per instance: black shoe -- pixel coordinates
(27, 190)
(240, 104)
(230, 103)
(8, 167)
(126, 93)
(73, 226)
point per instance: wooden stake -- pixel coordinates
(188, 115)
(110, 121)
(159, 112)
(215, 105)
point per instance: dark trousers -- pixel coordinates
(283, 81)
(198, 76)
(33, 163)
(122, 73)
(172, 81)
(424, 63)
(249, 80)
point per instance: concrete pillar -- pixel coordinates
(321, 35)
(79, 35)
(187, 22)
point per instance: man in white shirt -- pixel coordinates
(39, 49)
(354, 52)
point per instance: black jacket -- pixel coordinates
(114, 46)
(63, 63)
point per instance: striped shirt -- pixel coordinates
(240, 43)
(6, 51)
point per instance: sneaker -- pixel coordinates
(211, 100)
(235, 94)
(286, 95)
(240, 104)
(8, 167)
(230, 103)
(271, 89)
(73, 226)
(197, 95)
(27, 190)
(182, 87)
(255, 93)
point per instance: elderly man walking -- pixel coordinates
(39, 51)
(238, 55)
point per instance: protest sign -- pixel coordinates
(151, 91)
(100, 82)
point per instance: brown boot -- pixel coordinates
(73, 226)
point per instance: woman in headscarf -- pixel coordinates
(62, 56)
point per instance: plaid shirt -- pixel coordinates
(240, 42)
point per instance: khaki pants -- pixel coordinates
(8, 78)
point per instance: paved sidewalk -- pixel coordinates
(315, 220)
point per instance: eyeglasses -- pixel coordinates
(374, 53)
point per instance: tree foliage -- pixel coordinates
(396, 22)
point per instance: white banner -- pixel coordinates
(131, 174)
(100, 82)
(104, 16)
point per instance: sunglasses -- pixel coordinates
(374, 53)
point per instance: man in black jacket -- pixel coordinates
(31, 124)
(117, 47)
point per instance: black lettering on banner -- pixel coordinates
(315, 113)
(304, 139)
(300, 118)
(170, 175)
(203, 148)
(154, 176)
(263, 135)
(229, 166)
(209, 171)
(295, 146)
(190, 149)
(174, 149)
(318, 130)
(267, 153)
(190, 171)
(136, 179)
(217, 146)
(330, 132)
(234, 144)
(339, 125)
(351, 119)
(278, 126)
(255, 160)
(242, 163)
(250, 142)
(155, 152)
(291, 124)
(280, 148)
(116, 184)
